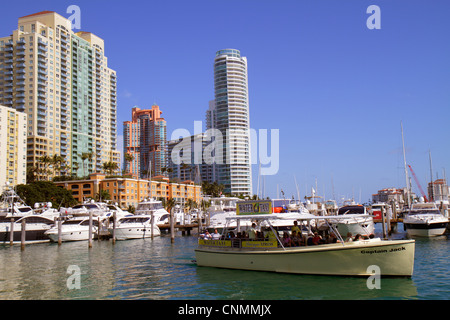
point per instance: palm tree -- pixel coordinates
(84, 156)
(170, 203)
(90, 155)
(46, 161)
(129, 159)
(109, 167)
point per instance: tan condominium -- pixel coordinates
(13, 146)
(62, 81)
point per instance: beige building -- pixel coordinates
(130, 191)
(13, 146)
(61, 80)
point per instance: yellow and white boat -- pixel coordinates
(356, 258)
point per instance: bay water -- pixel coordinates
(161, 270)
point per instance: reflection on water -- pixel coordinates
(157, 269)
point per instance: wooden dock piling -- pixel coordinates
(90, 230)
(114, 228)
(23, 234)
(59, 231)
(11, 232)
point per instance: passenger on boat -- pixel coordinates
(295, 238)
(331, 238)
(287, 242)
(295, 227)
(316, 239)
(215, 235)
(252, 232)
(270, 235)
(207, 235)
(349, 237)
(358, 237)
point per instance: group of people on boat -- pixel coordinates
(294, 238)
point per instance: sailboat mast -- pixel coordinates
(431, 176)
(406, 171)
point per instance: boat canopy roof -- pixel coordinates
(282, 216)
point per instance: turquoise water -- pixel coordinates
(158, 269)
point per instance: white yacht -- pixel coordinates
(424, 220)
(357, 221)
(14, 211)
(135, 227)
(84, 209)
(74, 229)
(155, 207)
(35, 228)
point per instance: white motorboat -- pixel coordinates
(35, 228)
(151, 206)
(135, 227)
(74, 229)
(14, 211)
(392, 257)
(424, 220)
(356, 221)
(85, 209)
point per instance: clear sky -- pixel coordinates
(336, 90)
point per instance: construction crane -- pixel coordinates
(418, 184)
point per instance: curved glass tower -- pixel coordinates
(231, 117)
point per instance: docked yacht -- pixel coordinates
(74, 229)
(35, 228)
(135, 227)
(357, 220)
(424, 220)
(152, 206)
(86, 208)
(14, 211)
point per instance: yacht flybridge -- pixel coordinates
(393, 257)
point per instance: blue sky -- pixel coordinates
(336, 90)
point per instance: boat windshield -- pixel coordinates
(351, 210)
(149, 206)
(135, 220)
(25, 209)
(424, 208)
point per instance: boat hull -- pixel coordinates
(425, 229)
(32, 234)
(135, 232)
(394, 258)
(365, 228)
(73, 235)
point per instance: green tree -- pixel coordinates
(45, 191)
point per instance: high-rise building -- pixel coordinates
(13, 146)
(145, 139)
(229, 113)
(62, 81)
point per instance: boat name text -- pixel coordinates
(382, 251)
